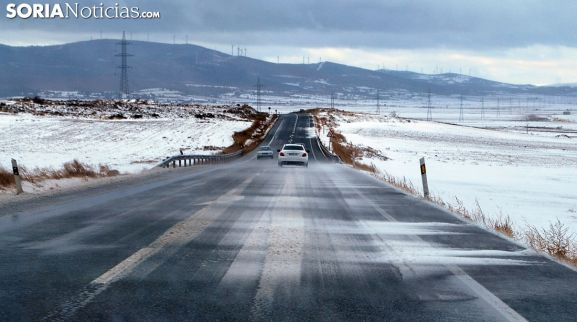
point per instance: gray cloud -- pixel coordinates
(459, 24)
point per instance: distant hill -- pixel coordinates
(91, 66)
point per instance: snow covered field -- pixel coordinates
(530, 177)
(125, 145)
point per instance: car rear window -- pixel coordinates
(265, 148)
(293, 147)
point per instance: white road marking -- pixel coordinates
(294, 128)
(178, 235)
(275, 133)
(318, 140)
(312, 149)
(311, 141)
(505, 312)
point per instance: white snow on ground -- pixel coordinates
(530, 177)
(404, 245)
(125, 145)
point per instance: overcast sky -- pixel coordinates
(517, 41)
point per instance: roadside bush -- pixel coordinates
(105, 171)
(503, 225)
(6, 178)
(72, 169)
(77, 169)
(554, 240)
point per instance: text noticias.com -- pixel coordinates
(76, 11)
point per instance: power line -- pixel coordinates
(124, 90)
(429, 107)
(482, 108)
(258, 94)
(461, 115)
(378, 102)
(332, 100)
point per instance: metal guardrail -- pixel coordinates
(328, 153)
(192, 160)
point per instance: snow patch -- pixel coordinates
(531, 178)
(125, 145)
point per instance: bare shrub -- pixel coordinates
(503, 225)
(479, 216)
(438, 200)
(535, 239)
(403, 184)
(76, 169)
(459, 208)
(105, 171)
(554, 240)
(72, 169)
(6, 178)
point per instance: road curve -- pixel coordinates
(251, 241)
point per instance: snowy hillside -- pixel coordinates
(128, 145)
(90, 68)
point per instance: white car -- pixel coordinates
(293, 154)
(264, 152)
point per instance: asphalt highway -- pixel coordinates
(249, 240)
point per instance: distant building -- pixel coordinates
(567, 112)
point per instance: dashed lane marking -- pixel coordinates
(178, 235)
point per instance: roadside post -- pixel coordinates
(17, 178)
(424, 177)
(330, 135)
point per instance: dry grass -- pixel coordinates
(350, 153)
(248, 139)
(347, 152)
(556, 240)
(6, 178)
(72, 169)
(403, 184)
(504, 226)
